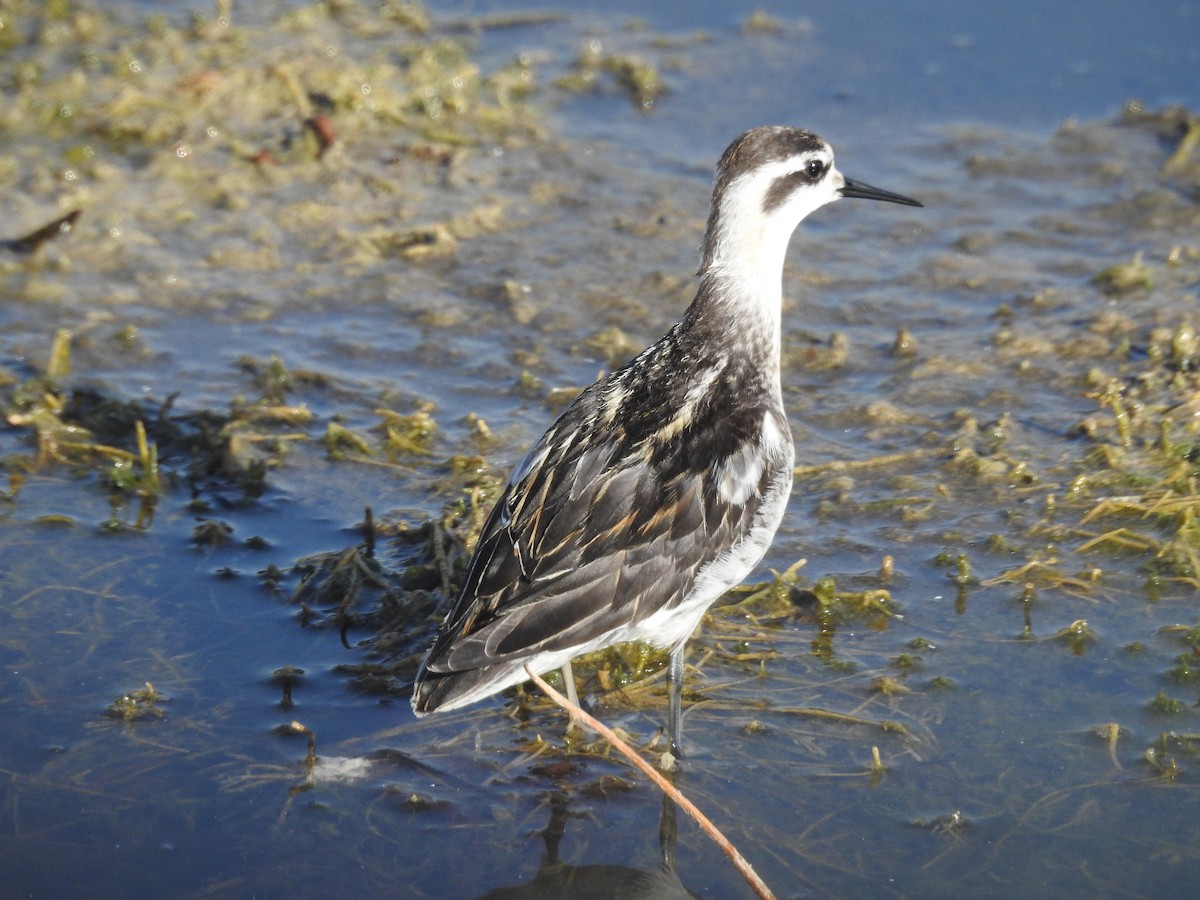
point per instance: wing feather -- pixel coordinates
(597, 530)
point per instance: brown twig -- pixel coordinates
(739, 862)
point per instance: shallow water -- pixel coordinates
(981, 440)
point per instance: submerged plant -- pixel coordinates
(145, 702)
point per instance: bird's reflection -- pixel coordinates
(610, 882)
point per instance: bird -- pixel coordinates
(662, 484)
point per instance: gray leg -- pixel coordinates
(568, 675)
(675, 699)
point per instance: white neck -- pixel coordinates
(746, 265)
(745, 251)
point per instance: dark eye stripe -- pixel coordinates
(783, 186)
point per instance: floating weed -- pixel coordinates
(273, 378)
(631, 675)
(1162, 755)
(342, 443)
(41, 405)
(1186, 744)
(769, 600)
(613, 345)
(1077, 636)
(143, 703)
(952, 824)
(1165, 705)
(1126, 277)
(278, 414)
(874, 604)
(480, 434)
(1163, 764)
(1186, 669)
(1183, 156)
(211, 533)
(639, 79)
(1139, 478)
(755, 728)
(888, 687)
(408, 433)
(138, 474)
(779, 600)
(136, 448)
(1111, 398)
(473, 489)
(876, 766)
(1111, 733)
(286, 678)
(761, 22)
(636, 78)
(333, 585)
(411, 802)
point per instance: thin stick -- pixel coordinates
(739, 862)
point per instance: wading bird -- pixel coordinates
(661, 486)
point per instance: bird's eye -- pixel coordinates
(815, 169)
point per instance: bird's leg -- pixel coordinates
(568, 676)
(675, 699)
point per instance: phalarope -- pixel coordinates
(661, 486)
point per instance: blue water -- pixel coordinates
(872, 73)
(212, 800)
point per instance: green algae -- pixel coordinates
(143, 703)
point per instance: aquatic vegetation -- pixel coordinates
(1167, 705)
(64, 428)
(138, 448)
(143, 703)
(1078, 636)
(1126, 277)
(1001, 473)
(286, 678)
(409, 433)
(633, 76)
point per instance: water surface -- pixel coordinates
(1022, 694)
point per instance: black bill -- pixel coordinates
(857, 189)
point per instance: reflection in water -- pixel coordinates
(558, 879)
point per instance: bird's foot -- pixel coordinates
(669, 761)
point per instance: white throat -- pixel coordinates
(750, 245)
